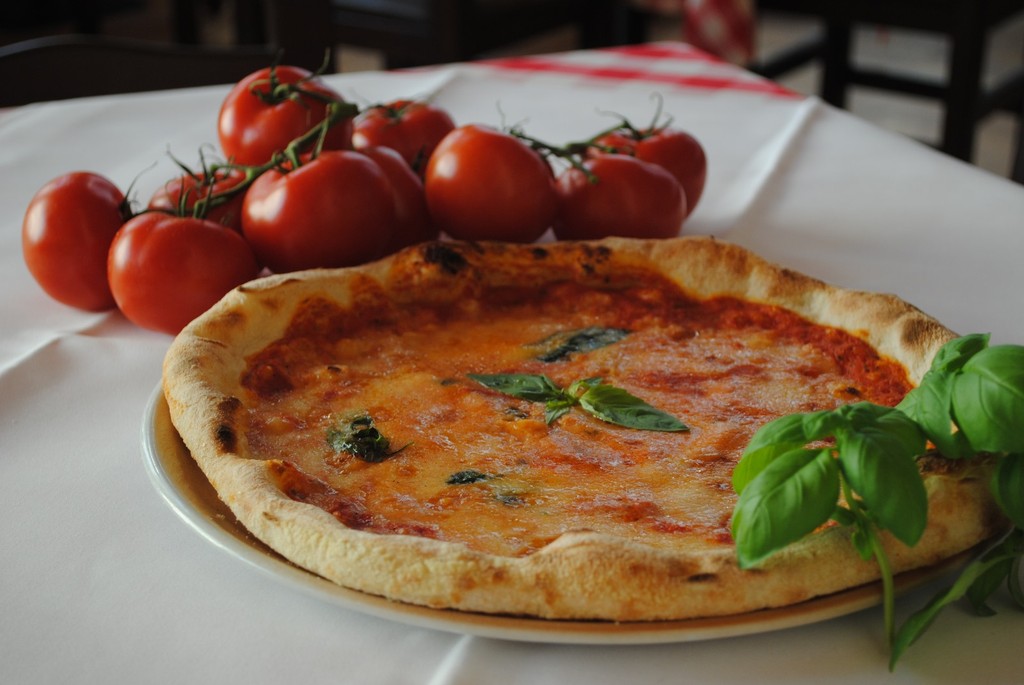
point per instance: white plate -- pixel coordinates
(181, 483)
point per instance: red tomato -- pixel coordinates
(483, 184)
(166, 270)
(413, 129)
(254, 124)
(335, 210)
(628, 197)
(412, 220)
(179, 196)
(677, 151)
(66, 235)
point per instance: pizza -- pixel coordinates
(356, 422)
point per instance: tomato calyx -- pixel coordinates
(623, 136)
(271, 91)
(196, 193)
(394, 110)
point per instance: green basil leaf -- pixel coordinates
(778, 437)
(862, 541)
(561, 346)
(791, 497)
(617, 406)
(1008, 487)
(931, 406)
(909, 404)
(954, 354)
(581, 386)
(467, 477)
(985, 585)
(844, 516)
(819, 425)
(877, 454)
(536, 388)
(865, 415)
(1015, 583)
(556, 409)
(1009, 548)
(988, 399)
(361, 439)
(785, 430)
(931, 403)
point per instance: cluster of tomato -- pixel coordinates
(314, 182)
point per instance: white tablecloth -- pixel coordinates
(102, 582)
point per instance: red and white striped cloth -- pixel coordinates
(669, 63)
(724, 28)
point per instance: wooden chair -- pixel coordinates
(963, 95)
(69, 66)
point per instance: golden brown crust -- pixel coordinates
(581, 574)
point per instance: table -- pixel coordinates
(102, 582)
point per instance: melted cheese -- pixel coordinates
(724, 367)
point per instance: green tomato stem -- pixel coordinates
(284, 160)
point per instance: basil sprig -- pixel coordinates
(793, 471)
(603, 401)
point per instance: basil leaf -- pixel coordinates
(844, 516)
(877, 453)
(581, 386)
(790, 498)
(1008, 487)
(555, 410)
(467, 477)
(563, 345)
(931, 403)
(772, 439)
(1015, 583)
(866, 415)
(524, 386)
(954, 354)
(617, 406)
(779, 436)
(821, 424)
(1009, 549)
(931, 406)
(985, 585)
(361, 439)
(861, 539)
(988, 399)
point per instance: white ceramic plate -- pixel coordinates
(181, 483)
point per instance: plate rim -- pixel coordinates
(515, 628)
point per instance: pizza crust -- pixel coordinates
(581, 575)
